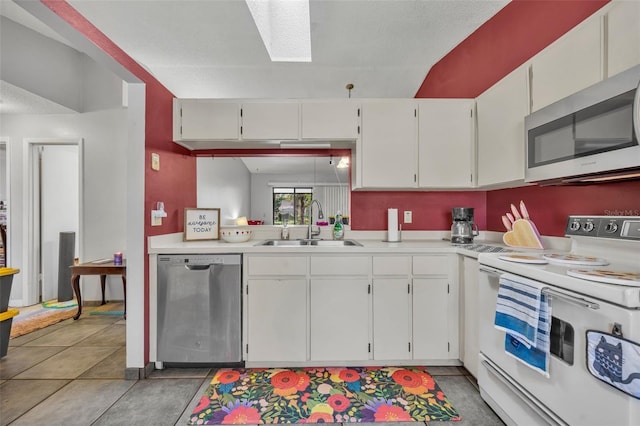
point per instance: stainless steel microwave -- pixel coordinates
(591, 133)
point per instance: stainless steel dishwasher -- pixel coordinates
(199, 309)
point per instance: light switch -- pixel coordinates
(408, 217)
(155, 161)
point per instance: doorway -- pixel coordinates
(55, 199)
(4, 202)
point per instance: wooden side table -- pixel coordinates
(102, 269)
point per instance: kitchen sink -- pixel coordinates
(283, 243)
(307, 243)
(334, 243)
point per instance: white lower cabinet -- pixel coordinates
(470, 303)
(277, 320)
(431, 319)
(435, 308)
(391, 319)
(355, 309)
(339, 311)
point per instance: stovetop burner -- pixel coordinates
(607, 276)
(483, 248)
(602, 262)
(575, 259)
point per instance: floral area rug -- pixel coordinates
(25, 323)
(322, 395)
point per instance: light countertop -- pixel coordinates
(372, 242)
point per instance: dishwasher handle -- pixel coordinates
(201, 267)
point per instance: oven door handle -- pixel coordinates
(491, 271)
(548, 291)
(551, 419)
(569, 298)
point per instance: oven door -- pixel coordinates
(571, 395)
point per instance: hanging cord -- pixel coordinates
(335, 170)
(349, 87)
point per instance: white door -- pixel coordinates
(277, 320)
(4, 199)
(445, 143)
(339, 319)
(391, 319)
(430, 318)
(389, 144)
(59, 208)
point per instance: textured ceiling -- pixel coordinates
(213, 49)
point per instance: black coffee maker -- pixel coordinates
(463, 229)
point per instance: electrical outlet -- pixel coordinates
(408, 216)
(155, 161)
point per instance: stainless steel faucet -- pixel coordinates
(311, 233)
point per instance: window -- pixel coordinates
(291, 204)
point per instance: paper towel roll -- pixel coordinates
(392, 225)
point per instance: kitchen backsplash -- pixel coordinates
(431, 211)
(548, 206)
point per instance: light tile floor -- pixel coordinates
(72, 373)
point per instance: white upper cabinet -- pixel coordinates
(623, 38)
(501, 111)
(269, 121)
(330, 120)
(205, 119)
(445, 143)
(570, 64)
(388, 154)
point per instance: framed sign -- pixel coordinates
(201, 224)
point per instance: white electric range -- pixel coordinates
(594, 287)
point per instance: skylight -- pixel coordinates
(284, 26)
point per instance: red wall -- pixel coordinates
(430, 210)
(175, 183)
(515, 34)
(511, 37)
(549, 206)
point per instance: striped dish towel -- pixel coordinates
(524, 313)
(518, 307)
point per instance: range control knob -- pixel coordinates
(588, 227)
(611, 227)
(574, 226)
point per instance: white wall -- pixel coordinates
(41, 65)
(104, 187)
(3, 173)
(115, 141)
(224, 183)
